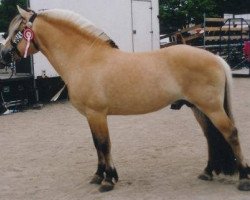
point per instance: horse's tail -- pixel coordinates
(228, 88)
(221, 156)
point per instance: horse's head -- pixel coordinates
(20, 38)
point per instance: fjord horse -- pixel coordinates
(103, 81)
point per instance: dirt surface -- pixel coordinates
(49, 154)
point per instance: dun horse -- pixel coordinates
(103, 80)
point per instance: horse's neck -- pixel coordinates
(64, 47)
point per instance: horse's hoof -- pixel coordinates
(205, 177)
(96, 179)
(106, 186)
(244, 185)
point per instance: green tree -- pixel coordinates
(176, 14)
(8, 10)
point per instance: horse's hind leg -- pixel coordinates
(225, 125)
(220, 155)
(106, 171)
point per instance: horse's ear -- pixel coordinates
(26, 15)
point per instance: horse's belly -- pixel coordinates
(143, 95)
(139, 104)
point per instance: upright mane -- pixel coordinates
(76, 20)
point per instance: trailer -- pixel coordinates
(132, 24)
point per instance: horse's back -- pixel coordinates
(188, 63)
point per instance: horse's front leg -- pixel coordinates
(106, 174)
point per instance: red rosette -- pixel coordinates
(28, 34)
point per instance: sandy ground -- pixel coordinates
(49, 154)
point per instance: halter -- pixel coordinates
(27, 34)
